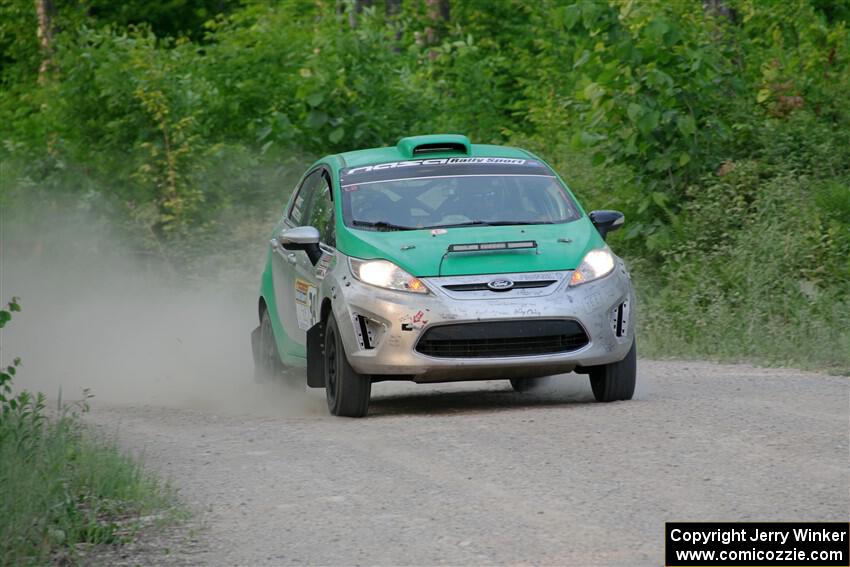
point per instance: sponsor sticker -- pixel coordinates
(324, 264)
(413, 321)
(306, 304)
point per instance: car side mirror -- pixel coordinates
(607, 221)
(304, 238)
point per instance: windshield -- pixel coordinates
(434, 193)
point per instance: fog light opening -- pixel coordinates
(620, 319)
(368, 332)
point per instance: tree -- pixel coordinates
(45, 11)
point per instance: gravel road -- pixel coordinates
(474, 474)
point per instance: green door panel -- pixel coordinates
(284, 343)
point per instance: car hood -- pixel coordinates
(422, 253)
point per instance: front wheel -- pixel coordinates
(615, 381)
(347, 391)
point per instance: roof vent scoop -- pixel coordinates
(417, 146)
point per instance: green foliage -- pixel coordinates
(154, 112)
(59, 486)
(22, 404)
(773, 241)
(646, 85)
(167, 19)
(738, 301)
(19, 57)
(190, 135)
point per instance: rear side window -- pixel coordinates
(304, 195)
(320, 212)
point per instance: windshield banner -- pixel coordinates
(438, 167)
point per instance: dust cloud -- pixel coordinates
(98, 315)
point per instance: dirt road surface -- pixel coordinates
(475, 474)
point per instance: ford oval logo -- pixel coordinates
(500, 285)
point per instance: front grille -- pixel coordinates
(502, 338)
(482, 286)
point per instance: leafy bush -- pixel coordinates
(773, 275)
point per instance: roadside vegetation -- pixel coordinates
(63, 489)
(721, 129)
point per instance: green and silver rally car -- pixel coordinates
(440, 260)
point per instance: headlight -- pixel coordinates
(382, 273)
(596, 263)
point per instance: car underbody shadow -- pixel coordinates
(477, 397)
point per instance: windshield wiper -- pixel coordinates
(381, 225)
(510, 222)
(489, 223)
(468, 223)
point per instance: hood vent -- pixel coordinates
(438, 149)
(420, 146)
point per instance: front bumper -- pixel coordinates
(381, 329)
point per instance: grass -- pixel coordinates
(761, 274)
(804, 338)
(62, 486)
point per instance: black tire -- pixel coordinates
(347, 391)
(267, 364)
(615, 381)
(525, 384)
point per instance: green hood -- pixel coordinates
(419, 252)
